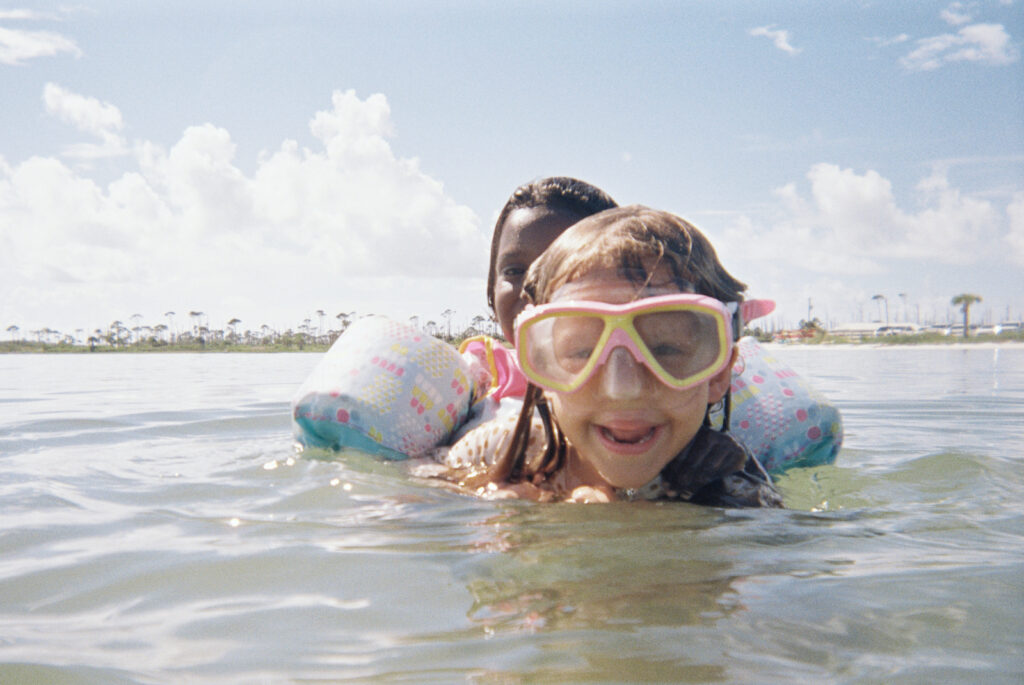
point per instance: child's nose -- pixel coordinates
(622, 376)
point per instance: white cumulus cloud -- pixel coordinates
(955, 15)
(84, 113)
(987, 44)
(17, 46)
(848, 227)
(850, 223)
(20, 14)
(88, 115)
(185, 227)
(779, 38)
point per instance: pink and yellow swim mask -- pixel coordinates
(684, 339)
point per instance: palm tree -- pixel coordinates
(320, 313)
(448, 314)
(170, 325)
(234, 333)
(195, 321)
(883, 299)
(344, 318)
(12, 329)
(964, 301)
(135, 328)
(114, 333)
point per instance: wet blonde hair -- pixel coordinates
(636, 242)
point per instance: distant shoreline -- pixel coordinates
(958, 345)
(27, 347)
(41, 348)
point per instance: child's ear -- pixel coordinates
(721, 381)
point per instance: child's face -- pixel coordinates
(526, 234)
(623, 422)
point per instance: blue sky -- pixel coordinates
(264, 160)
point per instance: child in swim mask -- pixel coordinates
(627, 342)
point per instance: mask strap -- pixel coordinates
(737, 319)
(727, 408)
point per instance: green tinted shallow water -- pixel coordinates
(155, 529)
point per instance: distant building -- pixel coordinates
(856, 331)
(796, 334)
(898, 329)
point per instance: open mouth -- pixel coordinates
(628, 438)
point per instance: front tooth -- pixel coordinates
(642, 438)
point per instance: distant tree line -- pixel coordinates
(317, 331)
(320, 330)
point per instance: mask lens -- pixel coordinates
(560, 346)
(683, 342)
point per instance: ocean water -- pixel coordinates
(156, 527)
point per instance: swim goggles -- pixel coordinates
(684, 339)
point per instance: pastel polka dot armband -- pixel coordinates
(385, 388)
(777, 415)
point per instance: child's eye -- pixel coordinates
(572, 360)
(581, 353)
(513, 272)
(666, 350)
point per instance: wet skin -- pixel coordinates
(527, 232)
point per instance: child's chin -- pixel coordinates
(630, 483)
(630, 473)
